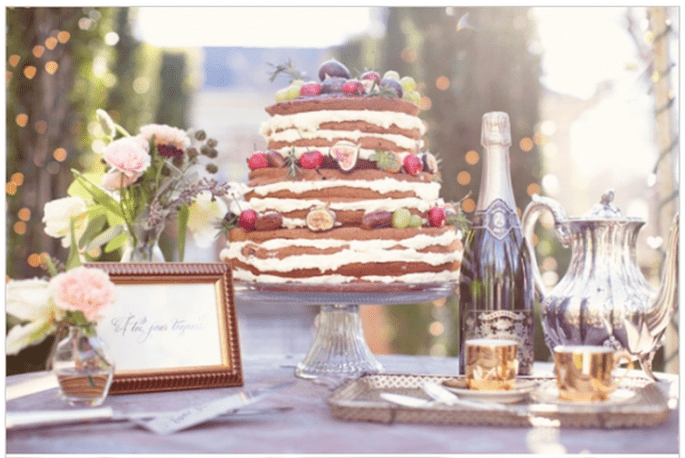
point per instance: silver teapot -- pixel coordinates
(603, 298)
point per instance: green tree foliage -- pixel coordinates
(481, 58)
(489, 68)
(63, 64)
(51, 91)
(174, 100)
(128, 69)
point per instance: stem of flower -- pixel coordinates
(127, 215)
(121, 130)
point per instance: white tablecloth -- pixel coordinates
(310, 428)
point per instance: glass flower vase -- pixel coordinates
(143, 244)
(83, 366)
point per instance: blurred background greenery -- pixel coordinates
(64, 63)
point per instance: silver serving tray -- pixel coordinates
(360, 400)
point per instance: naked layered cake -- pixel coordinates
(345, 192)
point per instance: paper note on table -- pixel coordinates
(34, 385)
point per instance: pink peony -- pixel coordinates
(116, 179)
(84, 289)
(170, 141)
(129, 155)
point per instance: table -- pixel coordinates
(309, 428)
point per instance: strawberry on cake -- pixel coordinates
(344, 192)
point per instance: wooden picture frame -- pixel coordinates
(173, 326)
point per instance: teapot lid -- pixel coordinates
(605, 210)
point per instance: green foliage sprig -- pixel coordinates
(287, 68)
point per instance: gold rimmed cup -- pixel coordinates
(584, 372)
(491, 364)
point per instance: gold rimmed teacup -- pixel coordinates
(584, 372)
(491, 364)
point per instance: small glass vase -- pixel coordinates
(143, 244)
(83, 366)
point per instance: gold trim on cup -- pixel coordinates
(584, 372)
(491, 364)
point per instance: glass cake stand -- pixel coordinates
(339, 347)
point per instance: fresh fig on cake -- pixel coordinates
(430, 163)
(257, 161)
(345, 154)
(247, 219)
(369, 80)
(333, 85)
(393, 84)
(275, 159)
(268, 221)
(320, 219)
(376, 219)
(450, 211)
(333, 68)
(412, 164)
(436, 216)
(311, 159)
(371, 75)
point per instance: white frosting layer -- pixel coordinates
(290, 128)
(413, 278)
(288, 205)
(418, 242)
(355, 251)
(292, 135)
(426, 191)
(311, 120)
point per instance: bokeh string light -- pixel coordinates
(35, 58)
(660, 34)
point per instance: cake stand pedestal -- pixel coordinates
(339, 347)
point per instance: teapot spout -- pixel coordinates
(664, 305)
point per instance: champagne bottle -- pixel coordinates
(496, 286)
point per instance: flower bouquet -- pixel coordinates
(160, 174)
(69, 306)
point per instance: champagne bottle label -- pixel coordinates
(498, 219)
(504, 324)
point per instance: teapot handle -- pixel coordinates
(537, 205)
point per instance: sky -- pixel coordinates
(573, 39)
(258, 27)
(581, 47)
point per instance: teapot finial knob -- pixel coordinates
(607, 197)
(605, 209)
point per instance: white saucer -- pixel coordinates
(548, 393)
(520, 392)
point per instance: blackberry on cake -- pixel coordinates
(355, 190)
